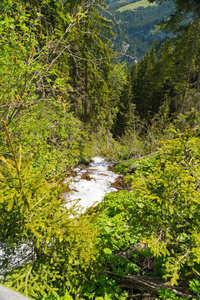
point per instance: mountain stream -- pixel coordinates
(90, 183)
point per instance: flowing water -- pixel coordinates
(97, 183)
(90, 191)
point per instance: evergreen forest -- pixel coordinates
(66, 96)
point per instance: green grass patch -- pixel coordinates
(143, 3)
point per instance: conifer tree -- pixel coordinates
(125, 114)
(90, 66)
(48, 250)
(142, 85)
(182, 30)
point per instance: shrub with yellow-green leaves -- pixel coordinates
(45, 251)
(166, 209)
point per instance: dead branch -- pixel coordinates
(152, 284)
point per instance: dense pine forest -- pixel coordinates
(66, 95)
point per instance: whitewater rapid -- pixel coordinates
(90, 192)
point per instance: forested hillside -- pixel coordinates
(66, 96)
(135, 27)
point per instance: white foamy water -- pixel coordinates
(92, 191)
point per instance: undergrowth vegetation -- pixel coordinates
(64, 99)
(153, 229)
(159, 218)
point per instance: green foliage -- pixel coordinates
(115, 233)
(166, 211)
(60, 97)
(102, 143)
(125, 113)
(91, 75)
(167, 294)
(28, 82)
(38, 66)
(28, 73)
(105, 287)
(46, 252)
(114, 224)
(60, 137)
(195, 287)
(168, 83)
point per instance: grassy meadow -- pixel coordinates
(133, 6)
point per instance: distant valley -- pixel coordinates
(135, 26)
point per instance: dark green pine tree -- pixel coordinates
(183, 32)
(164, 79)
(125, 111)
(90, 65)
(142, 85)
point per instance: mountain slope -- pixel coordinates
(135, 26)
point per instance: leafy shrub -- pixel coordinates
(166, 208)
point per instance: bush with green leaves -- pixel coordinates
(166, 209)
(165, 293)
(61, 138)
(115, 232)
(45, 251)
(114, 222)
